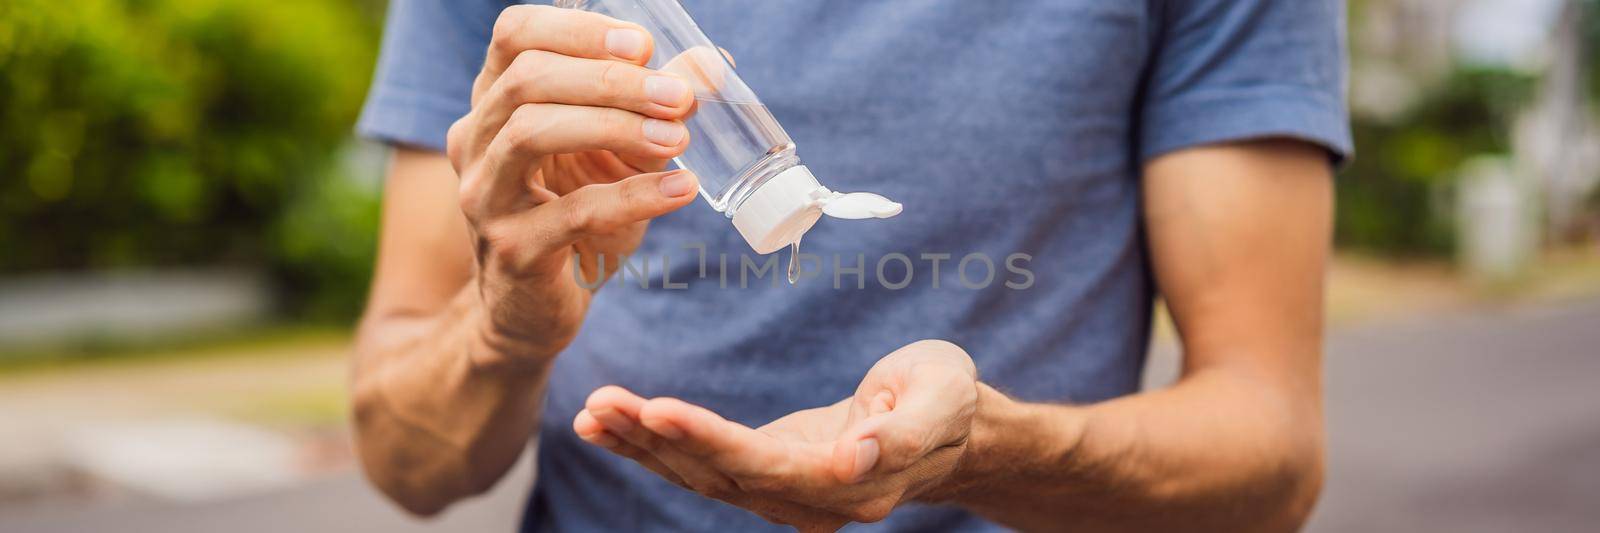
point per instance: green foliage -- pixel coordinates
(325, 240)
(1591, 39)
(158, 132)
(1389, 199)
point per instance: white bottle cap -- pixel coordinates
(785, 207)
(781, 210)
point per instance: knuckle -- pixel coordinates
(611, 81)
(586, 31)
(634, 193)
(469, 211)
(522, 131)
(511, 20)
(509, 258)
(468, 199)
(525, 64)
(524, 115)
(526, 75)
(620, 128)
(455, 142)
(579, 215)
(472, 196)
(519, 86)
(497, 245)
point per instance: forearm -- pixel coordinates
(1238, 236)
(1221, 450)
(436, 420)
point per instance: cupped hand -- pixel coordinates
(901, 434)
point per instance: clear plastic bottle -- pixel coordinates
(746, 163)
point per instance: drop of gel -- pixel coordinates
(794, 264)
(849, 206)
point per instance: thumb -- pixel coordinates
(933, 410)
(600, 208)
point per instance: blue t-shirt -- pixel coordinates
(1008, 127)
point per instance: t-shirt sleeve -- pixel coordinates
(1228, 70)
(432, 51)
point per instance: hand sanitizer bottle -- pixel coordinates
(747, 165)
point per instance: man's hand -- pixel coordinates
(902, 433)
(557, 161)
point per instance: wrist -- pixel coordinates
(494, 347)
(494, 351)
(1010, 440)
(984, 442)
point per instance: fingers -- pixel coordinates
(544, 77)
(693, 440)
(618, 411)
(750, 456)
(540, 77)
(654, 427)
(568, 32)
(544, 232)
(536, 130)
(561, 81)
(602, 208)
(591, 431)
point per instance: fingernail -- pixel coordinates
(663, 132)
(676, 184)
(625, 43)
(866, 456)
(613, 420)
(665, 90)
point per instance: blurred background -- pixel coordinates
(187, 226)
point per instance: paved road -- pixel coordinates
(1486, 421)
(1483, 422)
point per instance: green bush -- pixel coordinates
(324, 243)
(1394, 197)
(1591, 38)
(167, 132)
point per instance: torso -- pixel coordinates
(1004, 128)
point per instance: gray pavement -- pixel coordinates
(1481, 421)
(340, 503)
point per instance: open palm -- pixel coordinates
(902, 433)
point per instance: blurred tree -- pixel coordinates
(1591, 24)
(167, 132)
(1418, 117)
(1389, 198)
